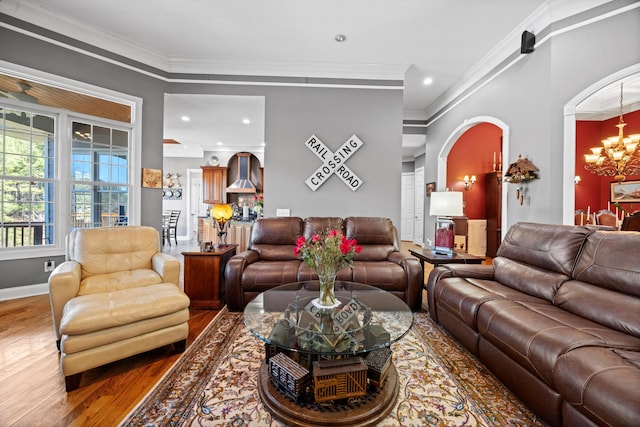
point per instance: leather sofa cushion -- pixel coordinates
(94, 312)
(261, 276)
(275, 252)
(369, 230)
(274, 239)
(536, 334)
(529, 279)
(547, 246)
(602, 383)
(463, 297)
(613, 309)
(76, 343)
(111, 249)
(119, 280)
(385, 275)
(276, 231)
(320, 225)
(375, 236)
(609, 260)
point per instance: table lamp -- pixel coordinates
(444, 205)
(222, 213)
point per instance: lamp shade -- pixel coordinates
(222, 212)
(446, 203)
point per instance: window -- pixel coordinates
(67, 160)
(99, 175)
(28, 178)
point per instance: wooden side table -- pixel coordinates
(425, 255)
(204, 276)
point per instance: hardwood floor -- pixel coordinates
(32, 391)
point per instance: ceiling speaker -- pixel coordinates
(528, 41)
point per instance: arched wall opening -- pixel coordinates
(570, 140)
(448, 146)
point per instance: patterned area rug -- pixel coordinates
(214, 383)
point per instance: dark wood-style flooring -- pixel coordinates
(32, 389)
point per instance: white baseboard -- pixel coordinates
(24, 291)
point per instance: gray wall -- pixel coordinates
(333, 115)
(29, 52)
(292, 115)
(530, 98)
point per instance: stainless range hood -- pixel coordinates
(243, 182)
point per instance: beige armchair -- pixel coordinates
(116, 295)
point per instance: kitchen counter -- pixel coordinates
(237, 232)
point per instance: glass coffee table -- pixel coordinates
(328, 366)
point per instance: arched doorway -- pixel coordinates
(454, 182)
(570, 109)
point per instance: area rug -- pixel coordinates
(214, 383)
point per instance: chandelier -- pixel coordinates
(618, 156)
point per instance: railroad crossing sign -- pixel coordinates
(334, 163)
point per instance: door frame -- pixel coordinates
(419, 197)
(191, 174)
(413, 200)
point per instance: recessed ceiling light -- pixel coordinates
(262, 144)
(219, 143)
(340, 38)
(185, 118)
(246, 121)
(427, 81)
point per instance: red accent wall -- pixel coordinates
(594, 191)
(472, 154)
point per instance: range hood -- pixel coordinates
(243, 183)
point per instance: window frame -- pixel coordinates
(62, 152)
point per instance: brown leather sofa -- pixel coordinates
(556, 318)
(270, 259)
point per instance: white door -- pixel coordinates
(195, 207)
(418, 225)
(407, 200)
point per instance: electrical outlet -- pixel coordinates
(49, 266)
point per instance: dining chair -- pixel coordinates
(170, 226)
(607, 218)
(581, 218)
(166, 216)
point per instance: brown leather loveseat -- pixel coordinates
(270, 259)
(556, 318)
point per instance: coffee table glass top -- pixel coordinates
(368, 318)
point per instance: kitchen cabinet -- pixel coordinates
(214, 184)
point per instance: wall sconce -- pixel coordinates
(468, 183)
(577, 179)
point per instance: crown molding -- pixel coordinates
(289, 69)
(52, 20)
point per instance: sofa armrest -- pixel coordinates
(475, 271)
(471, 271)
(64, 284)
(415, 280)
(167, 266)
(233, 277)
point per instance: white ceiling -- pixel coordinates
(449, 41)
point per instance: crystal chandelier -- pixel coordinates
(618, 156)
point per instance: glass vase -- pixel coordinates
(327, 297)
